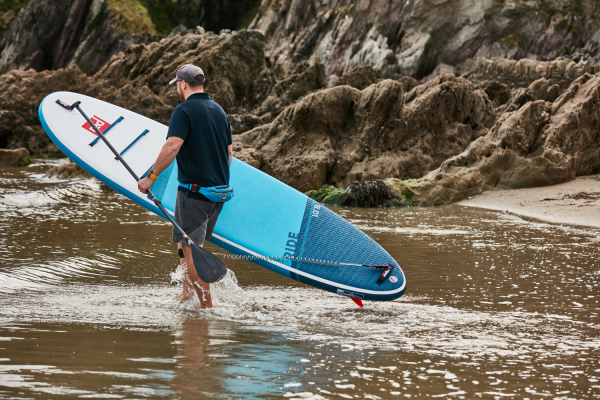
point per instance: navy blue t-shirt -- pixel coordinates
(203, 125)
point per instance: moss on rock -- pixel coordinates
(330, 196)
(8, 11)
(375, 193)
(163, 14)
(130, 16)
(12, 4)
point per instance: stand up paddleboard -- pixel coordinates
(266, 222)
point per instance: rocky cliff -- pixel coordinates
(342, 134)
(52, 34)
(136, 79)
(505, 123)
(541, 144)
(412, 37)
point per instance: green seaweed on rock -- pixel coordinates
(329, 196)
(363, 193)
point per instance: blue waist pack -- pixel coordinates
(217, 194)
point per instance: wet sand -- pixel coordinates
(573, 203)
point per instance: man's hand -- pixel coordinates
(145, 184)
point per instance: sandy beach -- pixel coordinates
(573, 203)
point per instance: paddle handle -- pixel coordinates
(118, 156)
(101, 135)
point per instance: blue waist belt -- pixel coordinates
(217, 194)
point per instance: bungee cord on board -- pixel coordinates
(292, 259)
(387, 268)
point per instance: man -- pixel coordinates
(200, 136)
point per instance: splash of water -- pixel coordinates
(227, 295)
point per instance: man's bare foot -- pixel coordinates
(202, 288)
(183, 297)
(187, 288)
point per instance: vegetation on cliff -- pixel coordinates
(12, 4)
(131, 16)
(8, 10)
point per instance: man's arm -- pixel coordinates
(230, 151)
(165, 158)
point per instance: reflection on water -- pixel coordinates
(496, 307)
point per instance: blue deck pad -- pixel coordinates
(263, 214)
(328, 237)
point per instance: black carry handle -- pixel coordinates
(385, 274)
(212, 273)
(69, 107)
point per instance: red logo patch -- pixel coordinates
(101, 124)
(224, 197)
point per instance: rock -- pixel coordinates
(54, 34)
(498, 93)
(408, 83)
(440, 69)
(360, 77)
(369, 193)
(249, 155)
(231, 63)
(522, 73)
(216, 15)
(541, 89)
(518, 100)
(544, 89)
(341, 134)
(242, 123)
(305, 79)
(539, 144)
(413, 37)
(179, 30)
(67, 171)
(34, 61)
(330, 196)
(14, 158)
(21, 93)
(137, 80)
(361, 193)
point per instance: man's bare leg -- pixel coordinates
(187, 290)
(202, 288)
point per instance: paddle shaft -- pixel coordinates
(118, 156)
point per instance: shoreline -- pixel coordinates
(572, 203)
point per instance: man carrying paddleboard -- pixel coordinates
(200, 137)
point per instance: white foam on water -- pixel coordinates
(306, 314)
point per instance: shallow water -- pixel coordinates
(496, 307)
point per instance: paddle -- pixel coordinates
(209, 267)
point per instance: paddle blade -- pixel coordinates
(208, 266)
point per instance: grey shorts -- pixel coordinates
(196, 217)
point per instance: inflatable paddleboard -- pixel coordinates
(266, 222)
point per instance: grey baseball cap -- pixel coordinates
(188, 73)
